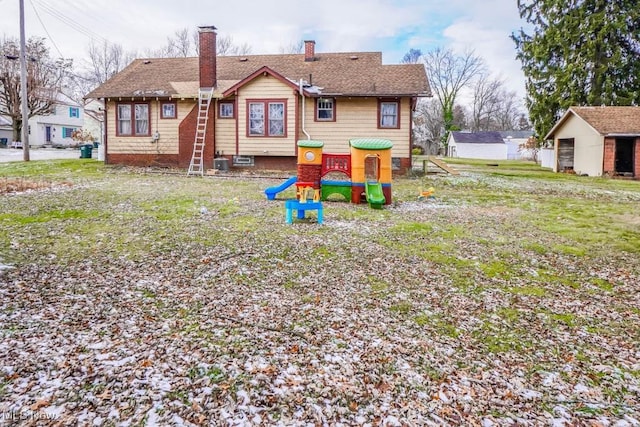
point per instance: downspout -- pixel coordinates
(303, 102)
(105, 130)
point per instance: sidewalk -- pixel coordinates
(15, 155)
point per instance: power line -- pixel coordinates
(73, 24)
(45, 29)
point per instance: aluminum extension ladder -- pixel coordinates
(196, 167)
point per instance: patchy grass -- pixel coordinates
(153, 296)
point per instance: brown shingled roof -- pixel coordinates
(611, 120)
(347, 74)
(605, 120)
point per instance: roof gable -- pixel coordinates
(264, 71)
(477, 137)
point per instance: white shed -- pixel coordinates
(477, 145)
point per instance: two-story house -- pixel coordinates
(55, 129)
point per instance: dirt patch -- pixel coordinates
(630, 219)
(13, 185)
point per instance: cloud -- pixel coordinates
(486, 30)
(390, 26)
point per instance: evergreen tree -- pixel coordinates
(581, 52)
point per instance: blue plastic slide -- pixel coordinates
(272, 191)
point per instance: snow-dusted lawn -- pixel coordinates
(131, 298)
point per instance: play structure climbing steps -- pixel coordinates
(196, 167)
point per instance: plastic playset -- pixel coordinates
(367, 172)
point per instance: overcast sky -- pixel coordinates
(392, 27)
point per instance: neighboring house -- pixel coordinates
(55, 129)
(514, 140)
(94, 119)
(6, 132)
(262, 105)
(598, 141)
(476, 145)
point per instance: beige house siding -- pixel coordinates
(263, 88)
(357, 118)
(167, 129)
(588, 148)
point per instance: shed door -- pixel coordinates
(565, 154)
(624, 155)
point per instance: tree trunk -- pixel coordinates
(17, 130)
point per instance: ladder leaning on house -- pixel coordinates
(204, 101)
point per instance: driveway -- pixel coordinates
(16, 155)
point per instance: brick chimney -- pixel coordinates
(309, 50)
(207, 60)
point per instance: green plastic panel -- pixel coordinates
(371, 143)
(310, 143)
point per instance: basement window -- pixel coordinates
(243, 161)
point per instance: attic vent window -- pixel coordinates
(353, 57)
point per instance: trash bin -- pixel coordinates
(85, 151)
(95, 144)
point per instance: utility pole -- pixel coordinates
(23, 87)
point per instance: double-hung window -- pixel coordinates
(389, 114)
(266, 118)
(226, 110)
(133, 119)
(325, 110)
(67, 132)
(74, 112)
(168, 110)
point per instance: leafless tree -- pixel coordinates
(485, 102)
(226, 47)
(493, 106)
(44, 80)
(243, 49)
(448, 73)
(428, 125)
(105, 60)
(180, 44)
(414, 56)
(293, 47)
(509, 112)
